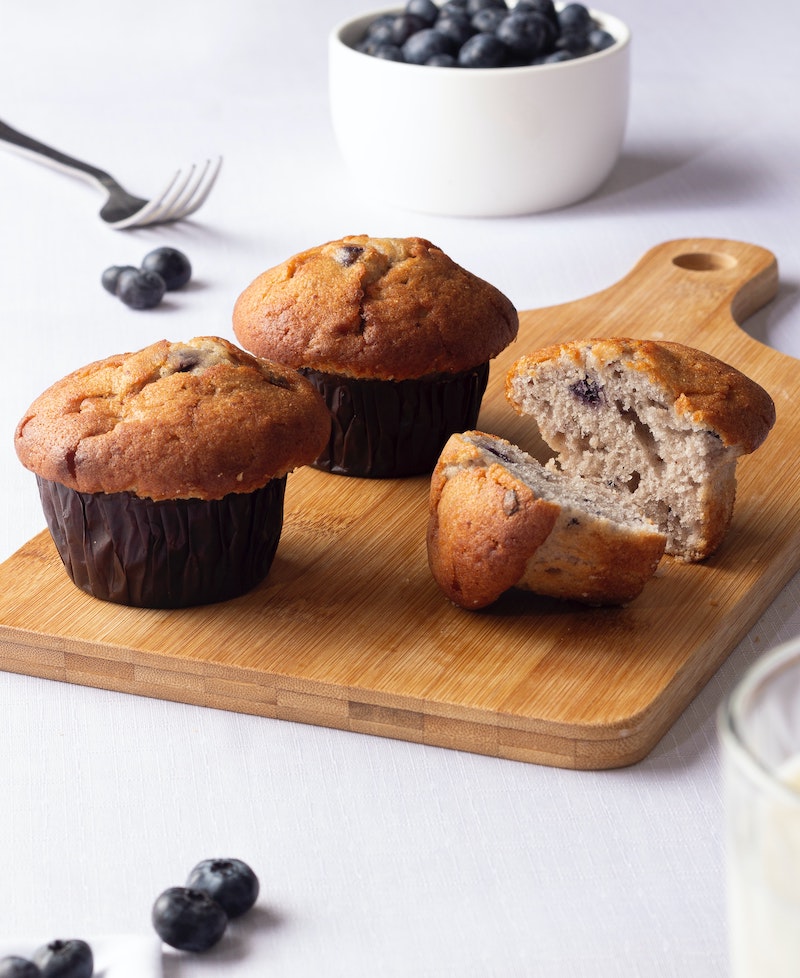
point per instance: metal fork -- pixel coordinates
(182, 196)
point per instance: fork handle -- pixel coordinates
(47, 154)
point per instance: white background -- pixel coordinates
(377, 858)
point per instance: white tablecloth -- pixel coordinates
(377, 858)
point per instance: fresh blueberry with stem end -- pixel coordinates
(425, 44)
(172, 265)
(65, 959)
(188, 919)
(524, 33)
(424, 9)
(110, 276)
(13, 966)
(140, 289)
(483, 51)
(231, 882)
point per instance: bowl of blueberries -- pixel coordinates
(480, 108)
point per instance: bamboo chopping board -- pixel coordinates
(350, 631)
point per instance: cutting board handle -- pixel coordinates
(718, 273)
(692, 290)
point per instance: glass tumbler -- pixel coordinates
(759, 726)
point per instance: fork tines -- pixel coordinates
(182, 196)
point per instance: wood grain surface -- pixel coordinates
(350, 631)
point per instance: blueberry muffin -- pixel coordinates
(395, 335)
(162, 472)
(662, 423)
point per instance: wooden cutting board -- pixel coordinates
(350, 631)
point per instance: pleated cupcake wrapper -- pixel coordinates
(389, 429)
(164, 554)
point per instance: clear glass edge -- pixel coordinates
(730, 739)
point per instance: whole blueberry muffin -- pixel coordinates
(395, 335)
(162, 472)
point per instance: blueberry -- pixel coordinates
(525, 33)
(110, 277)
(380, 29)
(450, 5)
(599, 39)
(488, 20)
(65, 959)
(548, 21)
(348, 255)
(556, 57)
(388, 52)
(188, 919)
(230, 882)
(425, 44)
(575, 17)
(13, 966)
(172, 265)
(545, 7)
(140, 289)
(588, 391)
(404, 26)
(456, 25)
(442, 61)
(473, 6)
(576, 42)
(483, 51)
(426, 10)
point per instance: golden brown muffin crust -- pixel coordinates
(199, 419)
(714, 394)
(483, 526)
(388, 308)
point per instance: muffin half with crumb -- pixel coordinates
(395, 335)
(162, 472)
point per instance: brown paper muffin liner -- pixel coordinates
(385, 429)
(167, 554)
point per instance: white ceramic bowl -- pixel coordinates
(479, 142)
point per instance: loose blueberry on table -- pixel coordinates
(14, 966)
(140, 289)
(230, 882)
(485, 34)
(172, 265)
(188, 919)
(65, 959)
(162, 270)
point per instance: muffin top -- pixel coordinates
(199, 419)
(384, 308)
